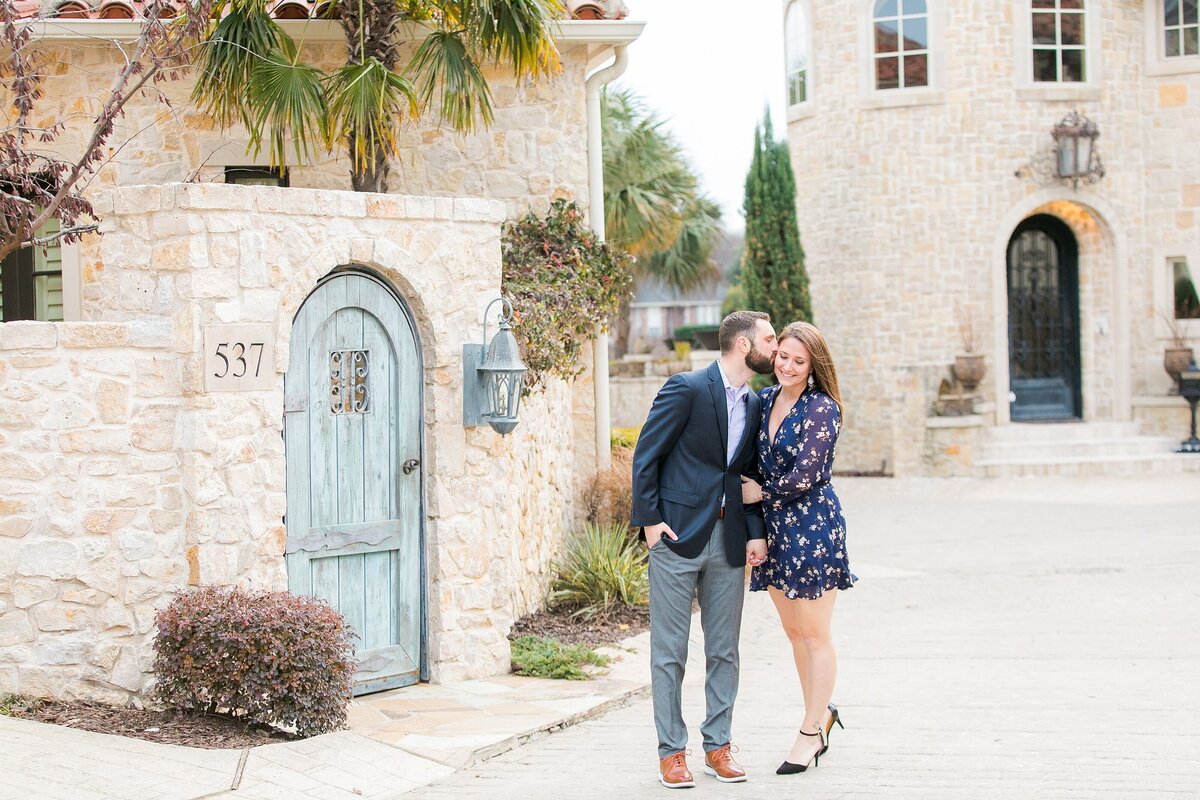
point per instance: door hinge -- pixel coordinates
(294, 403)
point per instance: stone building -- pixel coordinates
(936, 217)
(175, 391)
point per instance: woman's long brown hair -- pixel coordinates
(823, 372)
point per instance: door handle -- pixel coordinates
(410, 465)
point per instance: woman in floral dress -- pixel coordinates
(806, 560)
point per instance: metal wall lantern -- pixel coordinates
(1077, 158)
(493, 376)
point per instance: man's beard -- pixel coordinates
(760, 362)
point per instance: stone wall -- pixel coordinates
(118, 471)
(534, 151)
(907, 200)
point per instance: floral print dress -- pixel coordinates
(806, 533)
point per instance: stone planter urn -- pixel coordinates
(969, 369)
(1176, 360)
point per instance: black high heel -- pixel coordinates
(834, 716)
(788, 768)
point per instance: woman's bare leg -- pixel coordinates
(808, 625)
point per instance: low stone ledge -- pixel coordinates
(28, 336)
(93, 334)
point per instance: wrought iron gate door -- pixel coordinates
(1043, 321)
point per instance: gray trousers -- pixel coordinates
(721, 592)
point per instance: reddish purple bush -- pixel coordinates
(265, 657)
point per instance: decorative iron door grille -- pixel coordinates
(1043, 321)
(349, 391)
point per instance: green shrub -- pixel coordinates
(15, 702)
(703, 336)
(623, 438)
(547, 658)
(604, 566)
(263, 657)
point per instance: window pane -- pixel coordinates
(887, 73)
(796, 44)
(1043, 29)
(1072, 28)
(916, 70)
(1191, 41)
(1189, 12)
(916, 33)
(886, 38)
(1045, 65)
(1170, 12)
(1071, 4)
(885, 8)
(1043, 3)
(1172, 43)
(914, 6)
(1187, 304)
(1073, 66)
(797, 91)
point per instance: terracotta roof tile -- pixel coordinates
(280, 9)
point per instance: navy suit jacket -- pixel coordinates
(679, 469)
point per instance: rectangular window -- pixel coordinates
(257, 176)
(1059, 29)
(1181, 28)
(1187, 304)
(31, 283)
(901, 32)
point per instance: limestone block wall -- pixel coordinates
(532, 153)
(906, 201)
(122, 480)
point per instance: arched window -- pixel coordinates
(1059, 41)
(901, 37)
(796, 53)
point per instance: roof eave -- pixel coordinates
(591, 32)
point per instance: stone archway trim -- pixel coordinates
(1105, 214)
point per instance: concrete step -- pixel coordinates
(1061, 431)
(1052, 449)
(1091, 466)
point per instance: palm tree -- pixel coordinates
(653, 206)
(250, 73)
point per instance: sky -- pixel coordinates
(708, 67)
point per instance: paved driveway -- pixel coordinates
(1009, 639)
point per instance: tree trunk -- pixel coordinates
(372, 177)
(620, 324)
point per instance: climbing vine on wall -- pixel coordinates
(563, 282)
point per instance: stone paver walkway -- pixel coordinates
(1010, 639)
(1020, 639)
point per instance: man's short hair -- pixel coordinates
(739, 323)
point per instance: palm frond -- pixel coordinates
(285, 102)
(443, 62)
(516, 32)
(687, 263)
(238, 43)
(367, 103)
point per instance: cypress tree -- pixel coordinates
(773, 275)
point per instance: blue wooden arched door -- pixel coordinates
(353, 437)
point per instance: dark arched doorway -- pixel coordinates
(1043, 321)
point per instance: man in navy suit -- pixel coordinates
(697, 441)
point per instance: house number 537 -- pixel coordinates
(240, 357)
(234, 359)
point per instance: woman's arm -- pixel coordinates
(817, 439)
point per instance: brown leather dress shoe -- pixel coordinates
(720, 764)
(673, 772)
